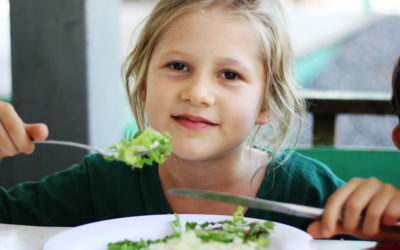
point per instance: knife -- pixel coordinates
(280, 207)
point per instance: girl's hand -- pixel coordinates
(15, 136)
(378, 203)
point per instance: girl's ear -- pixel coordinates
(396, 136)
(263, 117)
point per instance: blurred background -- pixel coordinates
(340, 45)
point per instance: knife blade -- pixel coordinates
(280, 207)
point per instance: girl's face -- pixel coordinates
(205, 84)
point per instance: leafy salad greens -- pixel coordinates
(146, 146)
(224, 231)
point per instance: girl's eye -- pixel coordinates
(178, 66)
(229, 75)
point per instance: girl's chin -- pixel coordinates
(191, 155)
(189, 145)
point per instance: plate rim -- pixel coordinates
(91, 226)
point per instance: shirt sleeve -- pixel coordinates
(91, 191)
(61, 199)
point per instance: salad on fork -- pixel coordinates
(145, 147)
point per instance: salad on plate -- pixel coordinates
(233, 234)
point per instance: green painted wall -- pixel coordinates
(348, 163)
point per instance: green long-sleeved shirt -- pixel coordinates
(97, 190)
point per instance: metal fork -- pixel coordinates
(92, 148)
(80, 145)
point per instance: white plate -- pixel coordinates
(96, 236)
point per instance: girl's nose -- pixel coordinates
(198, 92)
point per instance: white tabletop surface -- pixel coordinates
(19, 237)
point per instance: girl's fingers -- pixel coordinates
(14, 128)
(37, 131)
(7, 147)
(376, 209)
(315, 229)
(358, 201)
(334, 205)
(392, 211)
(15, 136)
(376, 202)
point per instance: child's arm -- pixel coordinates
(16, 136)
(377, 202)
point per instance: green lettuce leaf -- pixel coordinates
(146, 146)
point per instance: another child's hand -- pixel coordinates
(16, 136)
(378, 203)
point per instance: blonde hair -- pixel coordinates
(281, 97)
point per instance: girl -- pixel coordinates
(207, 72)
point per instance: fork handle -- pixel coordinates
(77, 145)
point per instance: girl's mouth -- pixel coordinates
(193, 122)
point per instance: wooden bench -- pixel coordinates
(326, 105)
(346, 162)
